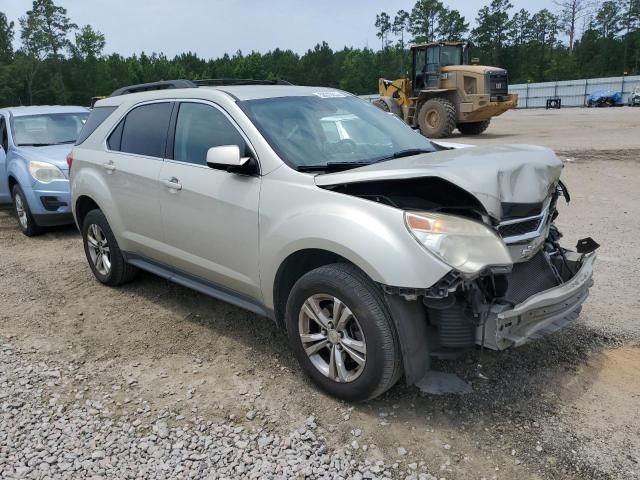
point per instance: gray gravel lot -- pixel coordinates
(152, 380)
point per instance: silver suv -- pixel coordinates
(374, 248)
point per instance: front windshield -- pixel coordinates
(48, 129)
(331, 128)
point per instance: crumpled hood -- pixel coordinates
(494, 174)
(55, 154)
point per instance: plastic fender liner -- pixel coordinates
(410, 319)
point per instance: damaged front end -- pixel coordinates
(489, 214)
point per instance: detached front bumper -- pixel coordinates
(542, 313)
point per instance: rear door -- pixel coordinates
(210, 216)
(132, 167)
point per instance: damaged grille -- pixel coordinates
(529, 278)
(520, 228)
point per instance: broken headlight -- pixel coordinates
(466, 245)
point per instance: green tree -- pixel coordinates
(492, 31)
(89, 43)
(544, 27)
(424, 20)
(400, 25)
(452, 25)
(609, 19)
(6, 39)
(45, 29)
(383, 24)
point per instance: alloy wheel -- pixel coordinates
(332, 338)
(21, 211)
(99, 250)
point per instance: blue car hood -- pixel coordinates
(55, 154)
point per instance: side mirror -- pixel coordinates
(225, 157)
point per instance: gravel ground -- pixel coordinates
(45, 435)
(154, 380)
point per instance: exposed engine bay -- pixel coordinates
(464, 312)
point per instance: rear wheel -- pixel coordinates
(103, 253)
(474, 128)
(342, 334)
(25, 219)
(437, 118)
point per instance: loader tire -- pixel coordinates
(474, 128)
(437, 118)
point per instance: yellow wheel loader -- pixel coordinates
(444, 91)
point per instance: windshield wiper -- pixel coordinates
(34, 144)
(331, 166)
(64, 142)
(410, 152)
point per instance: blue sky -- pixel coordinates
(212, 27)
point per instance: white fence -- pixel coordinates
(574, 93)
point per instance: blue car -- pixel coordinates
(33, 163)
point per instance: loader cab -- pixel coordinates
(429, 58)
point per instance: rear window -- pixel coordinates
(143, 131)
(97, 116)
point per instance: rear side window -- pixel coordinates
(97, 116)
(200, 127)
(143, 131)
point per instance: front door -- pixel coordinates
(210, 217)
(5, 194)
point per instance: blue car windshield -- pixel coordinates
(48, 129)
(332, 128)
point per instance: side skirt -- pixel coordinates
(200, 285)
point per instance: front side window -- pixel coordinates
(48, 129)
(200, 127)
(143, 131)
(332, 131)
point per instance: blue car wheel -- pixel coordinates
(23, 212)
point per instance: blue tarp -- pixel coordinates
(615, 97)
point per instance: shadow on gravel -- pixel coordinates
(519, 379)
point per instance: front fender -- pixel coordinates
(17, 168)
(296, 216)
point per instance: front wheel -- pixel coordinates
(437, 118)
(28, 225)
(474, 128)
(342, 334)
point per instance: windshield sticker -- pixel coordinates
(330, 94)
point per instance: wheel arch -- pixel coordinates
(292, 268)
(83, 205)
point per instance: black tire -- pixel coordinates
(27, 224)
(437, 118)
(383, 362)
(120, 271)
(474, 128)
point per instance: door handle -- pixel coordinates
(109, 166)
(173, 184)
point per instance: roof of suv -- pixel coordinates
(238, 92)
(43, 109)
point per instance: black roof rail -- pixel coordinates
(214, 82)
(146, 87)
